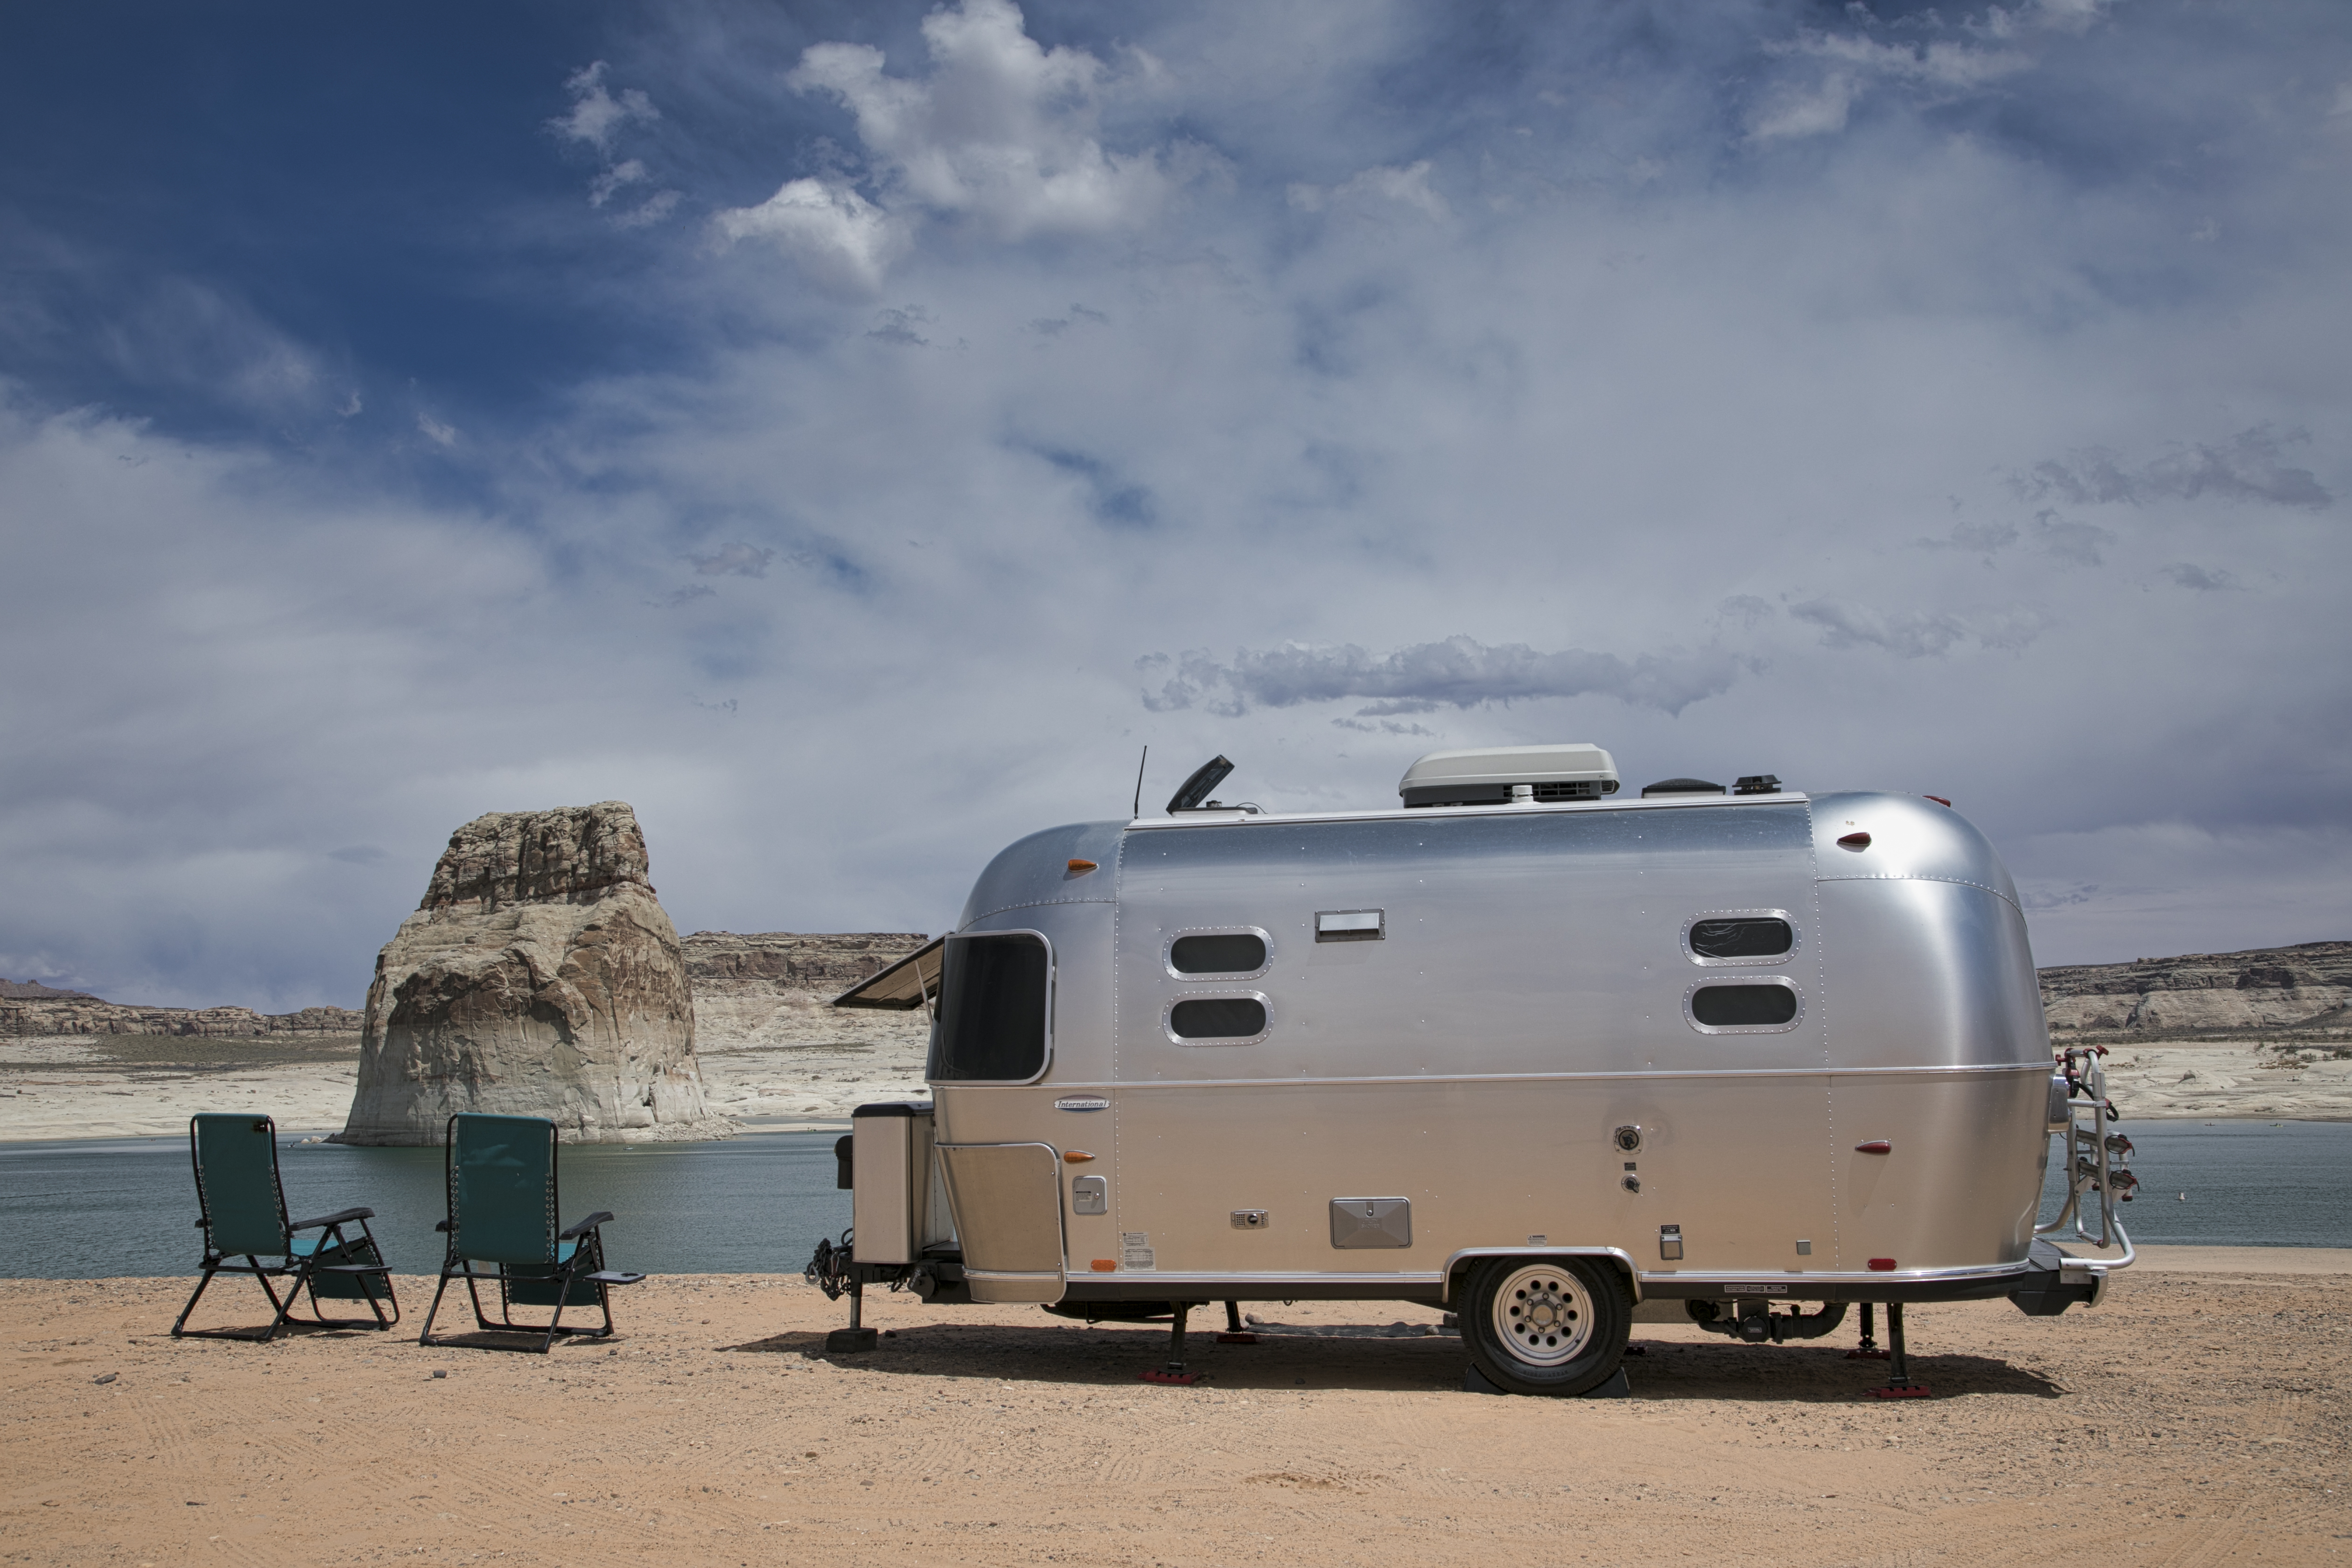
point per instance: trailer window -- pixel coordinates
(1743, 1006)
(1217, 1018)
(1741, 938)
(995, 1009)
(1219, 952)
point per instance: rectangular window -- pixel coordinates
(995, 1009)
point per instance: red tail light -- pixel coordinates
(1881, 1266)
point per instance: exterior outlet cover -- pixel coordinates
(1249, 1219)
(1670, 1243)
(1370, 1222)
(1089, 1195)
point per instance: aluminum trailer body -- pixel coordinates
(1728, 1049)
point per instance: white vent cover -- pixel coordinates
(1494, 775)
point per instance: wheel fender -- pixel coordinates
(1460, 1262)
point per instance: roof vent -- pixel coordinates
(1681, 786)
(1497, 775)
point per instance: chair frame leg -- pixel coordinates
(216, 1264)
(563, 1280)
(180, 1324)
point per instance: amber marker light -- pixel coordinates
(1105, 1266)
(1080, 867)
(1076, 1156)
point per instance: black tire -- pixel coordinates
(1546, 1325)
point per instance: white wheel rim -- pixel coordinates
(1543, 1315)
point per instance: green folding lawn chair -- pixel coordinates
(243, 1215)
(502, 1214)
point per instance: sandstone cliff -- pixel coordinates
(2305, 986)
(540, 977)
(772, 988)
(71, 1013)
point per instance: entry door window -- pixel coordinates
(995, 1009)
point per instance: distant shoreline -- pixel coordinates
(842, 1124)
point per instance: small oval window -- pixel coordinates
(1743, 1006)
(1223, 953)
(1217, 1018)
(1746, 938)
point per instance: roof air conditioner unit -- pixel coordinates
(1497, 775)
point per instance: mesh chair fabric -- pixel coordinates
(236, 1181)
(502, 1188)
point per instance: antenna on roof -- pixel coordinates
(1205, 777)
(1138, 783)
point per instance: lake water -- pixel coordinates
(757, 1204)
(754, 1205)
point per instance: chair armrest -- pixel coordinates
(341, 1216)
(613, 1277)
(585, 1225)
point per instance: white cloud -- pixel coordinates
(597, 115)
(1836, 69)
(1003, 134)
(1645, 467)
(1002, 130)
(650, 211)
(434, 431)
(843, 240)
(602, 188)
(1408, 186)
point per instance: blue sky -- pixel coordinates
(850, 433)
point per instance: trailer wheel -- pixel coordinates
(1547, 1325)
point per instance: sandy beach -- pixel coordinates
(2197, 1417)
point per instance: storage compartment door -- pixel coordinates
(1007, 1199)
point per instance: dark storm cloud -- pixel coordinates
(736, 560)
(2248, 467)
(1458, 672)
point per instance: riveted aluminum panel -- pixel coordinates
(1532, 941)
(1036, 870)
(1008, 1211)
(1741, 1163)
(1925, 973)
(1909, 836)
(1961, 1180)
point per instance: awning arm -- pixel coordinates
(902, 988)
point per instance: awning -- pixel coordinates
(902, 988)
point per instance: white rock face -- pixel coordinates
(540, 977)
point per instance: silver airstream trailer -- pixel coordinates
(1525, 1045)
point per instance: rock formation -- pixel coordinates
(772, 987)
(540, 977)
(2305, 986)
(73, 1013)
